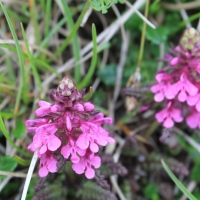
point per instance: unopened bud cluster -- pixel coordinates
(70, 128)
(178, 83)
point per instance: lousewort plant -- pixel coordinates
(178, 84)
(69, 128)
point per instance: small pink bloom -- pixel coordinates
(45, 139)
(43, 111)
(194, 101)
(99, 119)
(184, 88)
(85, 165)
(47, 164)
(43, 103)
(169, 115)
(93, 134)
(174, 61)
(56, 108)
(32, 125)
(79, 107)
(163, 88)
(73, 149)
(193, 120)
(88, 106)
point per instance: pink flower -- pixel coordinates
(169, 115)
(94, 134)
(73, 149)
(174, 61)
(88, 106)
(193, 120)
(44, 109)
(67, 129)
(194, 101)
(32, 125)
(163, 88)
(184, 88)
(47, 164)
(85, 165)
(45, 139)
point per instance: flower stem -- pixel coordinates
(143, 35)
(29, 175)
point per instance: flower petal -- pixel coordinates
(89, 173)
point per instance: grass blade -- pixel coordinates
(91, 70)
(22, 86)
(75, 42)
(36, 60)
(34, 69)
(76, 26)
(4, 131)
(177, 182)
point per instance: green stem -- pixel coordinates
(143, 36)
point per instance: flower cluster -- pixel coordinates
(69, 127)
(178, 83)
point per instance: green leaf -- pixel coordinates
(7, 164)
(108, 74)
(20, 128)
(98, 97)
(177, 182)
(151, 191)
(158, 35)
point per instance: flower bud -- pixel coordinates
(189, 39)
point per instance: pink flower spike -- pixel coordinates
(88, 106)
(69, 128)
